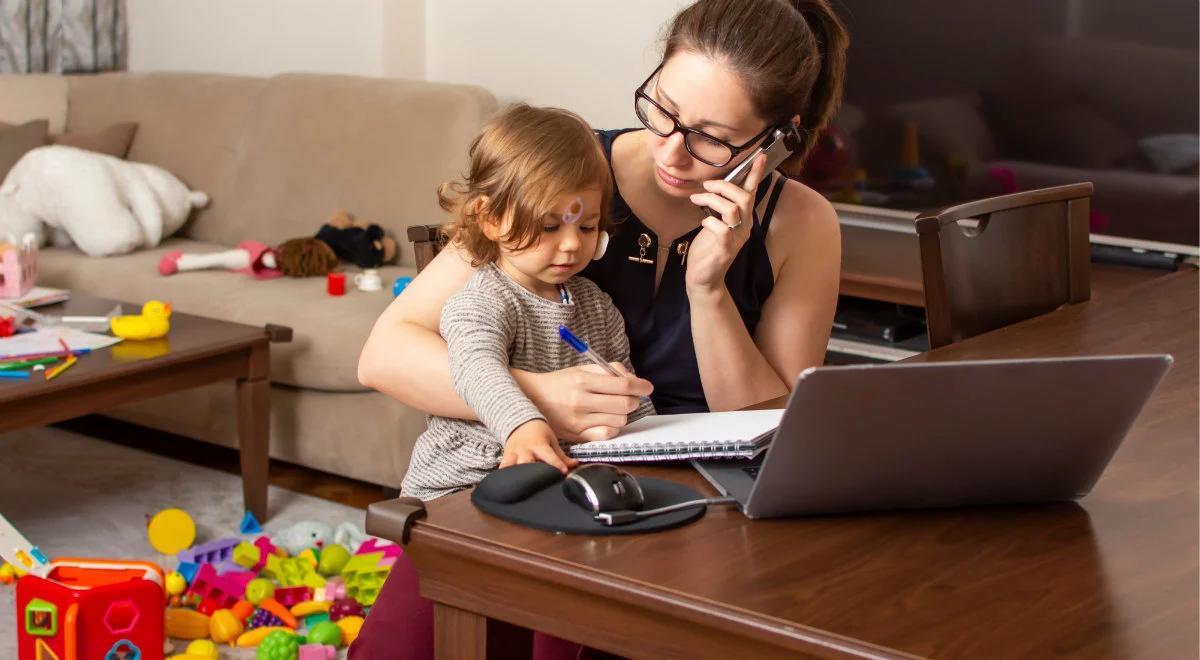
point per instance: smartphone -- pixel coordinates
(778, 146)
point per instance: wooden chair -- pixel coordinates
(427, 241)
(996, 261)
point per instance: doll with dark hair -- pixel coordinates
(341, 238)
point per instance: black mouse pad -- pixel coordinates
(547, 508)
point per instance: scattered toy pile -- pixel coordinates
(299, 594)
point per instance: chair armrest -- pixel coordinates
(392, 519)
(427, 241)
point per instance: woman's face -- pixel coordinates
(705, 95)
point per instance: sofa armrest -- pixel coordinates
(427, 241)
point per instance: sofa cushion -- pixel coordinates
(112, 140)
(16, 141)
(329, 331)
(28, 97)
(189, 124)
(376, 147)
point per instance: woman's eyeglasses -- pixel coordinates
(702, 146)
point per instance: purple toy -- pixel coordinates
(216, 552)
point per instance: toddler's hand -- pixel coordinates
(534, 441)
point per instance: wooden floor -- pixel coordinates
(285, 475)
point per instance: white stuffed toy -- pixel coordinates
(102, 204)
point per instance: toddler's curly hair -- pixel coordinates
(520, 164)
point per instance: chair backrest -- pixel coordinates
(427, 241)
(996, 261)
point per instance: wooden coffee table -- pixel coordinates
(198, 351)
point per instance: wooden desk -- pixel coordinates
(1112, 576)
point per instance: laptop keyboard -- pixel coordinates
(752, 471)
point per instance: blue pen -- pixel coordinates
(581, 346)
(14, 374)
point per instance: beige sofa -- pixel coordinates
(276, 155)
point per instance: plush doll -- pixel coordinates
(339, 238)
(103, 205)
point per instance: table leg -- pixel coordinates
(458, 634)
(254, 431)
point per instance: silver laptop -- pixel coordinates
(942, 434)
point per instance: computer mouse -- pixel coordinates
(517, 482)
(599, 487)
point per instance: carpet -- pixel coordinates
(76, 496)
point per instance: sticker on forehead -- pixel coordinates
(574, 210)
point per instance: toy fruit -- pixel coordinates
(171, 530)
(152, 323)
(350, 626)
(186, 624)
(333, 558)
(325, 632)
(278, 645)
(344, 607)
(175, 584)
(224, 627)
(254, 637)
(258, 589)
(202, 648)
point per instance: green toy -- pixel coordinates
(325, 633)
(278, 645)
(333, 559)
(258, 589)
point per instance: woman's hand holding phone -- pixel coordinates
(714, 248)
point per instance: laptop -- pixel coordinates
(942, 434)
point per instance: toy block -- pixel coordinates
(289, 596)
(214, 552)
(250, 524)
(389, 550)
(223, 591)
(364, 576)
(249, 556)
(315, 618)
(264, 544)
(313, 580)
(229, 566)
(310, 556)
(292, 572)
(316, 652)
(188, 570)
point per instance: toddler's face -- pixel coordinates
(566, 245)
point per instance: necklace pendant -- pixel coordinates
(682, 250)
(644, 242)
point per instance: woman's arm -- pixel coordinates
(737, 370)
(405, 358)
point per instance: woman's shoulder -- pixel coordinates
(804, 224)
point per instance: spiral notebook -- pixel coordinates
(738, 434)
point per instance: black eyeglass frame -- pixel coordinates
(734, 149)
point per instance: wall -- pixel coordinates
(574, 54)
(266, 37)
(583, 56)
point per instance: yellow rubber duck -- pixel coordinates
(152, 323)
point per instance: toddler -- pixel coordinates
(531, 213)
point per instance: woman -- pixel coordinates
(729, 69)
(722, 312)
